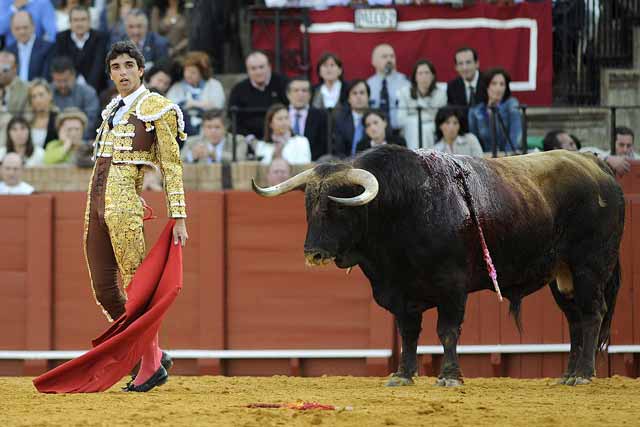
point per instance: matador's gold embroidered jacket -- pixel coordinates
(126, 144)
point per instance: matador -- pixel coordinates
(139, 130)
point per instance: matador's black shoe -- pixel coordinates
(166, 362)
(157, 379)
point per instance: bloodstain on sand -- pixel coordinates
(222, 401)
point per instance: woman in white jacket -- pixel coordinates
(423, 93)
(279, 141)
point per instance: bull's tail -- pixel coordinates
(610, 294)
(514, 310)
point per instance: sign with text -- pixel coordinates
(380, 18)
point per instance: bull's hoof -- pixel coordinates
(398, 381)
(563, 380)
(581, 381)
(448, 382)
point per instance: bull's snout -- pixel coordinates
(315, 256)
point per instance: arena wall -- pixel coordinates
(247, 288)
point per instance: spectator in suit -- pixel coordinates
(19, 141)
(508, 116)
(42, 113)
(349, 128)
(307, 121)
(42, 12)
(422, 93)
(213, 145)
(377, 131)
(14, 91)
(259, 91)
(114, 16)
(279, 141)
(68, 92)
(464, 89)
(452, 134)
(386, 83)
(331, 92)
(11, 171)
(153, 46)
(83, 45)
(198, 90)
(34, 53)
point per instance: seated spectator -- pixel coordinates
(279, 171)
(14, 90)
(464, 89)
(349, 128)
(422, 93)
(63, 12)
(67, 92)
(279, 141)
(42, 12)
(258, 92)
(213, 145)
(386, 83)
(377, 132)
(619, 162)
(307, 121)
(114, 16)
(168, 20)
(452, 134)
(508, 119)
(198, 90)
(33, 53)
(83, 45)
(19, 141)
(331, 92)
(42, 113)
(558, 140)
(11, 171)
(159, 78)
(70, 124)
(153, 46)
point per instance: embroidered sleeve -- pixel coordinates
(168, 152)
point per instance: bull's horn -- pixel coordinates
(364, 178)
(284, 187)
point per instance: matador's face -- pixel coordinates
(125, 74)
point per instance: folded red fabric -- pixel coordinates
(151, 292)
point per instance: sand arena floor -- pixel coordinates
(221, 401)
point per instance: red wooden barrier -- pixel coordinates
(246, 287)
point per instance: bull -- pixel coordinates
(416, 223)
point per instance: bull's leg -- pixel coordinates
(409, 325)
(590, 301)
(450, 317)
(571, 312)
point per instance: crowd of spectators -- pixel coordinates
(53, 85)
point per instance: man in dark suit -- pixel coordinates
(349, 129)
(153, 46)
(463, 90)
(33, 53)
(83, 45)
(307, 121)
(256, 93)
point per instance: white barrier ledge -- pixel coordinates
(213, 354)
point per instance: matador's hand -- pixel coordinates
(180, 232)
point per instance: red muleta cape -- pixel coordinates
(151, 292)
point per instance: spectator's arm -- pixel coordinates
(515, 124)
(49, 21)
